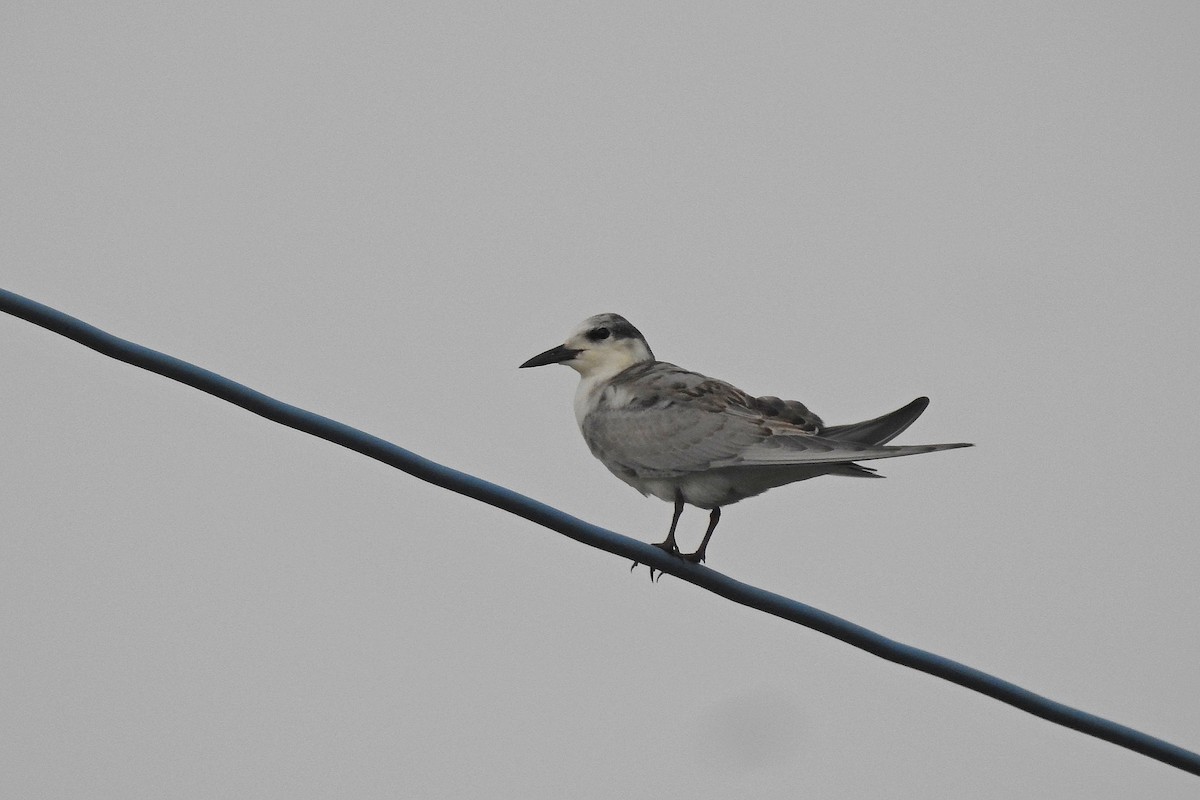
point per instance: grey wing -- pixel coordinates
(783, 449)
(792, 412)
(656, 420)
(880, 430)
(666, 422)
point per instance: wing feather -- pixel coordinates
(656, 420)
(779, 450)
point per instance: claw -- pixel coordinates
(637, 564)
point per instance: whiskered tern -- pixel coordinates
(689, 439)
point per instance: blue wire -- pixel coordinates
(594, 536)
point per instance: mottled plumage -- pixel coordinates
(687, 438)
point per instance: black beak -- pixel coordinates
(555, 355)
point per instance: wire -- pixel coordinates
(594, 536)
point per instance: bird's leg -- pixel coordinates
(698, 556)
(667, 544)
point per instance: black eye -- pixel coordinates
(598, 334)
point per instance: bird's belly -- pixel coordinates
(721, 487)
(704, 490)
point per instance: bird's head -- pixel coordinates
(602, 345)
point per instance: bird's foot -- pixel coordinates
(695, 558)
(668, 546)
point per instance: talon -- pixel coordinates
(637, 564)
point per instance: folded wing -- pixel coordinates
(880, 430)
(660, 421)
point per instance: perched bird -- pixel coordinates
(687, 438)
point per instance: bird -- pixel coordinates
(689, 439)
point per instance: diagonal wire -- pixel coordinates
(597, 537)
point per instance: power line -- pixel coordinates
(597, 537)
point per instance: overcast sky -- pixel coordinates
(377, 211)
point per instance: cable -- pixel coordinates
(594, 536)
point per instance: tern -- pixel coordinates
(690, 439)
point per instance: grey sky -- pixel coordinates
(376, 212)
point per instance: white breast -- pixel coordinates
(593, 391)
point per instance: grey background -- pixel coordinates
(376, 211)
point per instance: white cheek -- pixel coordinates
(589, 362)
